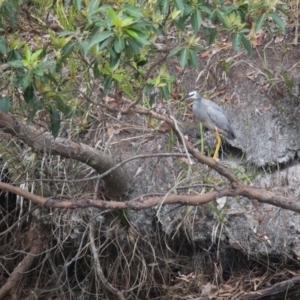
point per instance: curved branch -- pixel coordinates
(11, 285)
(149, 200)
(44, 142)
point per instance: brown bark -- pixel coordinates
(281, 290)
(11, 287)
(116, 182)
(148, 201)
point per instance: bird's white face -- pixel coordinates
(192, 94)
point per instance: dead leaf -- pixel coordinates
(255, 204)
(108, 99)
(227, 98)
(112, 104)
(227, 287)
(260, 218)
(110, 130)
(251, 75)
(164, 128)
(279, 92)
(205, 53)
(258, 38)
(206, 289)
(292, 272)
(179, 69)
(236, 245)
(176, 96)
(138, 171)
(219, 92)
(186, 161)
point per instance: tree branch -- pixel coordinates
(12, 284)
(44, 142)
(149, 200)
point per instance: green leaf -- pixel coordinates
(107, 84)
(246, 43)
(132, 10)
(206, 9)
(165, 92)
(77, 4)
(61, 105)
(38, 71)
(27, 79)
(35, 105)
(29, 93)
(119, 45)
(148, 87)
(83, 47)
(66, 32)
(35, 55)
(180, 23)
(259, 22)
(278, 21)
(194, 59)
(3, 46)
(132, 33)
(14, 55)
(183, 57)
(106, 42)
(135, 45)
(196, 20)
(27, 53)
(117, 77)
(16, 63)
(212, 37)
(221, 18)
(165, 6)
(4, 104)
(93, 6)
(236, 42)
(114, 58)
(112, 14)
(55, 121)
(67, 49)
(96, 69)
(179, 5)
(174, 51)
(100, 37)
(227, 9)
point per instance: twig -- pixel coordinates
(99, 270)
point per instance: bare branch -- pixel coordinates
(149, 200)
(11, 285)
(44, 142)
(98, 267)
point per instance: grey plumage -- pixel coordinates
(211, 115)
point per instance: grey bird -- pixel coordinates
(212, 116)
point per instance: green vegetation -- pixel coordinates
(115, 40)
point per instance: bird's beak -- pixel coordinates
(184, 98)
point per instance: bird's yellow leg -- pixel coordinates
(218, 139)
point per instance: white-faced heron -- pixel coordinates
(212, 116)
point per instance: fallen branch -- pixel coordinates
(12, 284)
(45, 143)
(278, 291)
(148, 201)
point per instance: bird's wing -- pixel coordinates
(209, 103)
(219, 119)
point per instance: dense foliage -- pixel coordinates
(114, 39)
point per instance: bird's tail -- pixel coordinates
(230, 133)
